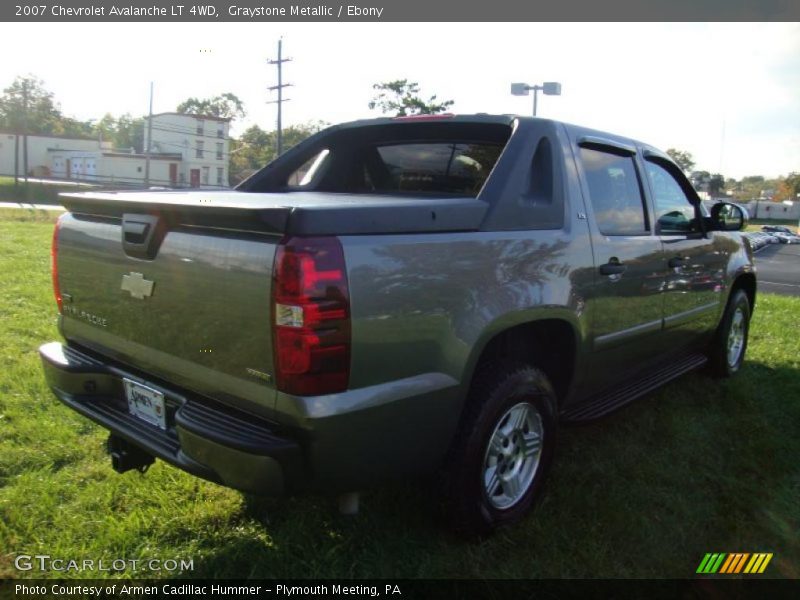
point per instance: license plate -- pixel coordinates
(145, 403)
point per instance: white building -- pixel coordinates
(767, 209)
(40, 148)
(110, 169)
(202, 142)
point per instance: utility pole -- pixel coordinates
(279, 87)
(25, 129)
(149, 140)
(16, 156)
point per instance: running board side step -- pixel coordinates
(615, 398)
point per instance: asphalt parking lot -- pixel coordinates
(779, 269)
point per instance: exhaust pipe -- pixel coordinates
(126, 456)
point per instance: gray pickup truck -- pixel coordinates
(395, 297)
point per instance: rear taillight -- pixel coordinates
(54, 262)
(311, 317)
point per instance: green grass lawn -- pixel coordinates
(701, 466)
(34, 192)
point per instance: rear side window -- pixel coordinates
(449, 168)
(309, 169)
(615, 192)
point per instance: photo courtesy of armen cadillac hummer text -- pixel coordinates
(395, 297)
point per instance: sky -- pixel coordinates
(728, 93)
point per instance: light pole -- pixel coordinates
(550, 88)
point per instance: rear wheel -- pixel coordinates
(500, 457)
(730, 342)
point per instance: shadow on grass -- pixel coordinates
(700, 466)
(307, 537)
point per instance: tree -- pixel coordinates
(751, 186)
(401, 97)
(106, 128)
(41, 116)
(682, 158)
(700, 180)
(123, 132)
(226, 105)
(256, 147)
(129, 133)
(716, 183)
(789, 187)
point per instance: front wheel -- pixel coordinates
(727, 351)
(501, 455)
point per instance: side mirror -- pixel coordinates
(726, 216)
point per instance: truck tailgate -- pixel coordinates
(195, 313)
(178, 284)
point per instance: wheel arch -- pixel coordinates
(550, 344)
(746, 282)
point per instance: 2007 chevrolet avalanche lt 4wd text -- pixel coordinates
(395, 297)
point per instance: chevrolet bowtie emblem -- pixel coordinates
(137, 285)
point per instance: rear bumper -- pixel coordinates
(210, 441)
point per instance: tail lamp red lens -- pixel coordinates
(311, 317)
(54, 262)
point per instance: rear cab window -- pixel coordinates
(450, 168)
(433, 159)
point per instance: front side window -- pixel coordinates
(219, 151)
(199, 153)
(614, 192)
(675, 214)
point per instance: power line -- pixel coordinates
(178, 132)
(178, 129)
(189, 148)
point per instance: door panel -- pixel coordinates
(625, 303)
(695, 261)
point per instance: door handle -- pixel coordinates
(677, 262)
(613, 267)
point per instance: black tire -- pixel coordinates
(500, 396)
(723, 362)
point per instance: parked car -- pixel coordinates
(396, 297)
(786, 238)
(771, 238)
(753, 239)
(777, 229)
